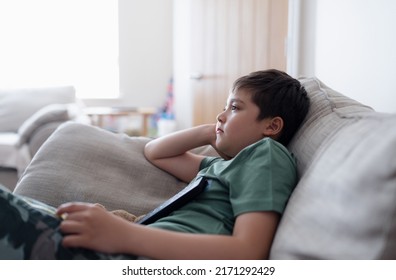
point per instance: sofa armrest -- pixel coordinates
(48, 114)
(17, 105)
(40, 135)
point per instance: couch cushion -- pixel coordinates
(344, 205)
(19, 104)
(84, 163)
(329, 112)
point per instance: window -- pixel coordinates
(60, 42)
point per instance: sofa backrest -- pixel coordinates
(17, 105)
(329, 112)
(344, 204)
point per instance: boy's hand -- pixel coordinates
(172, 153)
(92, 227)
(213, 143)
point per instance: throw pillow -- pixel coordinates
(85, 163)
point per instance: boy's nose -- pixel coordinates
(220, 117)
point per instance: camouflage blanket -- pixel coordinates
(29, 229)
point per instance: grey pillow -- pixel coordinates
(84, 163)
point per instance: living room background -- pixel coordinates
(356, 47)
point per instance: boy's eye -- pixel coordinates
(231, 107)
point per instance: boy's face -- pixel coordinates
(237, 126)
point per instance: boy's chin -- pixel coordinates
(226, 157)
(223, 152)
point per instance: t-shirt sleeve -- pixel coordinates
(264, 180)
(207, 161)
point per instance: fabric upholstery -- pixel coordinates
(329, 112)
(84, 163)
(342, 208)
(344, 205)
(47, 114)
(17, 105)
(8, 150)
(27, 117)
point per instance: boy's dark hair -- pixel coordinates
(277, 95)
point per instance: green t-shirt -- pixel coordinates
(260, 178)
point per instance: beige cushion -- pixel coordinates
(83, 163)
(344, 205)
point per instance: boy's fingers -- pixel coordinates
(72, 207)
(70, 227)
(72, 241)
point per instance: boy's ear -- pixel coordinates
(273, 127)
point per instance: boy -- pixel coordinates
(248, 187)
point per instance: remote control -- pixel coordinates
(175, 202)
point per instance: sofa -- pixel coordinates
(27, 117)
(343, 206)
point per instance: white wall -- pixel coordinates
(145, 54)
(354, 49)
(348, 44)
(145, 50)
(181, 63)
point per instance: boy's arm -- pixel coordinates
(92, 227)
(171, 152)
(251, 239)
